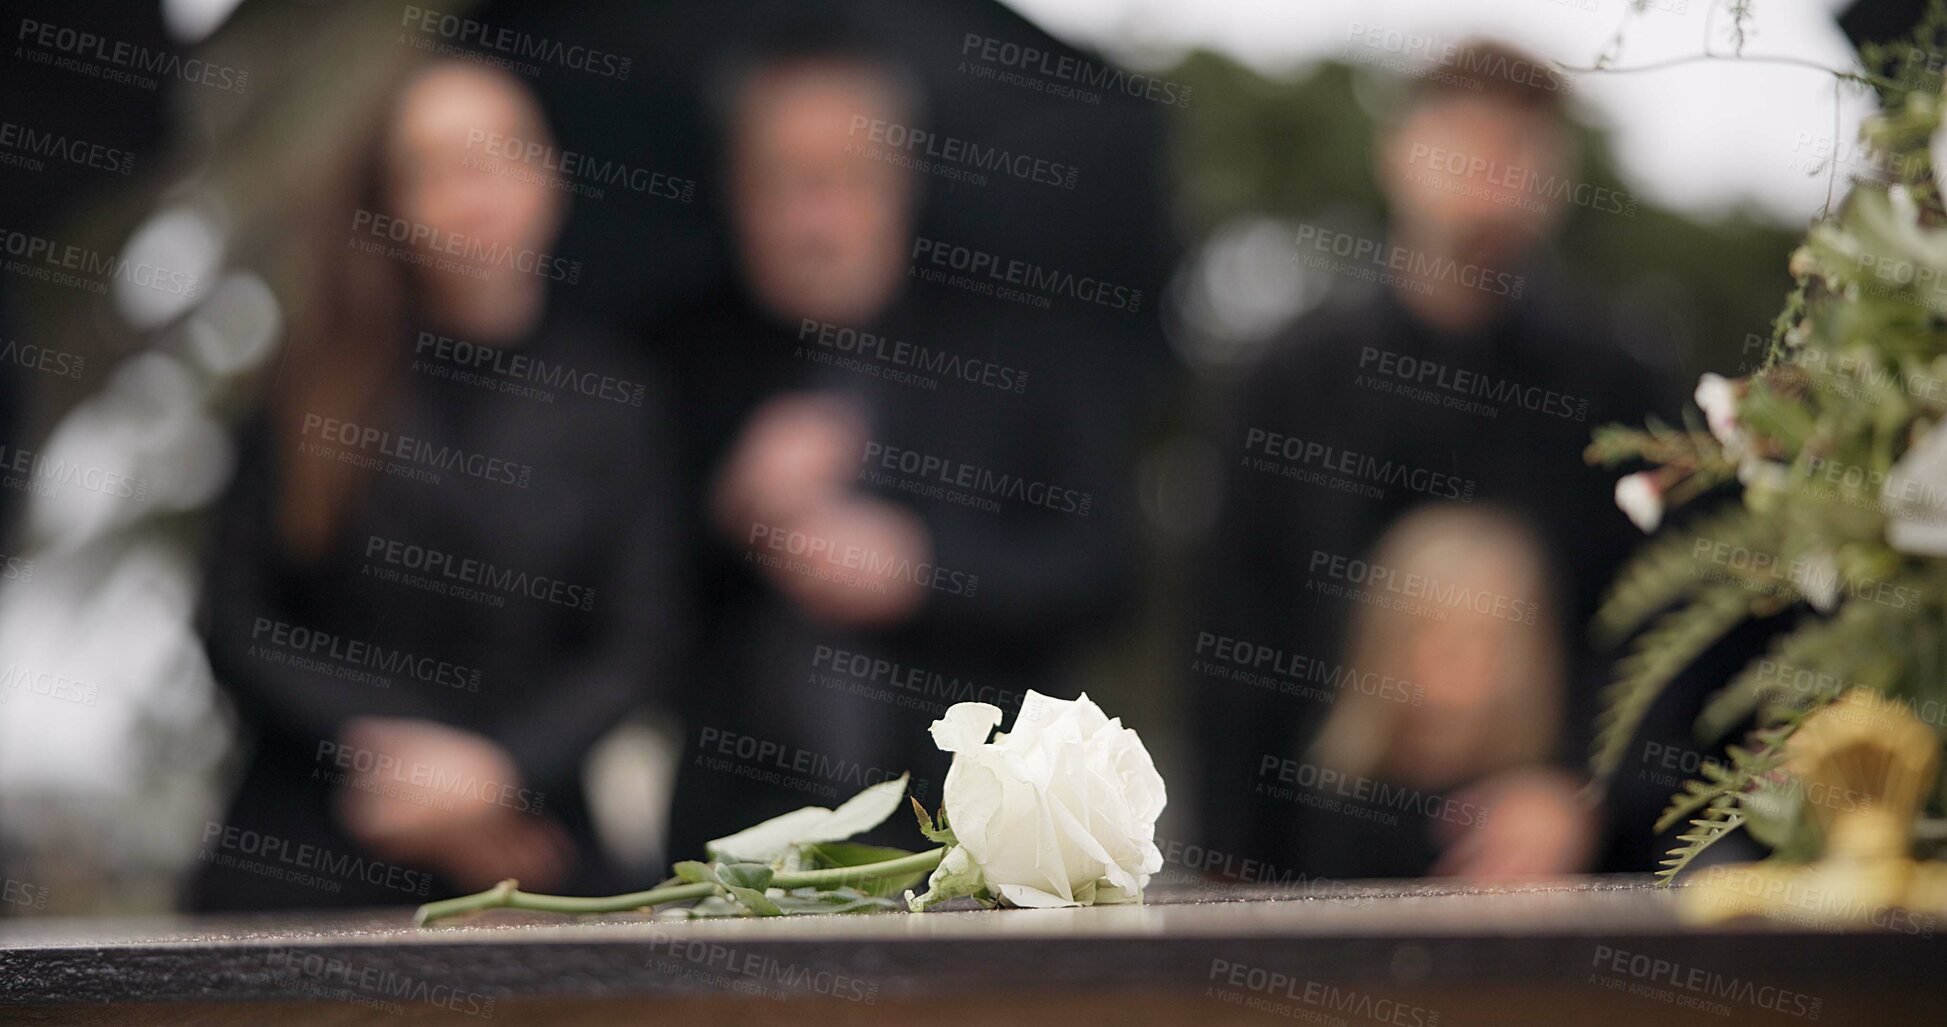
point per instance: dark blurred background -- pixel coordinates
(208, 141)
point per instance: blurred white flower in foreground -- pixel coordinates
(1717, 397)
(1639, 496)
(1816, 576)
(1939, 150)
(1914, 496)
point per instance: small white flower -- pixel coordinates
(1758, 473)
(1817, 579)
(1717, 397)
(1641, 497)
(1059, 812)
(1914, 496)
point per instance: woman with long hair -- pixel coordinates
(445, 567)
(1439, 755)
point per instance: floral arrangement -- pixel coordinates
(1059, 812)
(1836, 449)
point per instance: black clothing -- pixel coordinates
(1004, 431)
(1389, 414)
(525, 594)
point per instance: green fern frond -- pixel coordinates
(1786, 320)
(1677, 638)
(1688, 452)
(1863, 644)
(1665, 570)
(1746, 768)
(1716, 822)
(1734, 703)
(1831, 647)
(1697, 794)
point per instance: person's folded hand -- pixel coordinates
(864, 563)
(797, 451)
(1532, 823)
(430, 795)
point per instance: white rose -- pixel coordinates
(1059, 812)
(1816, 577)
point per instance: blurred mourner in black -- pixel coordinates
(1392, 663)
(443, 570)
(910, 492)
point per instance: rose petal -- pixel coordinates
(965, 726)
(1025, 897)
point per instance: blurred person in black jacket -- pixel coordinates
(444, 568)
(1472, 373)
(909, 496)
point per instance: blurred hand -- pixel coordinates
(796, 451)
(864, 571)
(436, 804)
(1536, 826)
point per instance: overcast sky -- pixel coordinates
(1703, 138)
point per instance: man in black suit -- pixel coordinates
(1460, 369)
(907, 494)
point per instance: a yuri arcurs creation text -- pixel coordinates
(1059, 812)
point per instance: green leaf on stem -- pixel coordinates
(769, 841)
(939, 832)
(744, 875)
(756, 901)
(838, 900)
(957, 876)
(693, 871)
(745, 883)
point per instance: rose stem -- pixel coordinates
(506, 896)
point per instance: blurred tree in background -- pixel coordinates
(1300, 149)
